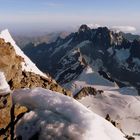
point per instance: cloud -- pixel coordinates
(124, 28)
(93, 25)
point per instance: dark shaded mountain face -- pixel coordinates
(111, 52)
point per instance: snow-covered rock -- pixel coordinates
(27, 65)
(55, 116)
(4, 87)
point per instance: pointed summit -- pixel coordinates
(7, 37)
(84, 28)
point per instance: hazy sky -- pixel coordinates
(51, 15)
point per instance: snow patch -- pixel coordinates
(93, 26)
(62, 46)
(4, 87)
(84, 43)
(110, 50)
(122, 55)
(136, 61)
(100, 51)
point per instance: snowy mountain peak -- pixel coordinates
(27, 65)
(7, 37)
(83, 28)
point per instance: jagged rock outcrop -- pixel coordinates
(10, 64)
(86, 91)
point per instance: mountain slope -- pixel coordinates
(35, 39)
(123, 109)
(88, 78)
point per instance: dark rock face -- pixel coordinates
(72, 65)
(119, 57)
(84, 28)
(135, 49)
(129, 137)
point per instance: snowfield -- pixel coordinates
(122, 104)
(89, 77)
(55, 116)
(121, 107)
(27, 65)
(4, 87)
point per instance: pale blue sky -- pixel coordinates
(51, 15)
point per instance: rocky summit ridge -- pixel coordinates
(16, 77)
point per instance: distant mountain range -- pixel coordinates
(131, 37)
(23, 40)
(115, 56)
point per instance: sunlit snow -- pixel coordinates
(120, 105)
(88, 77)
(4, 87)
(55, 116)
